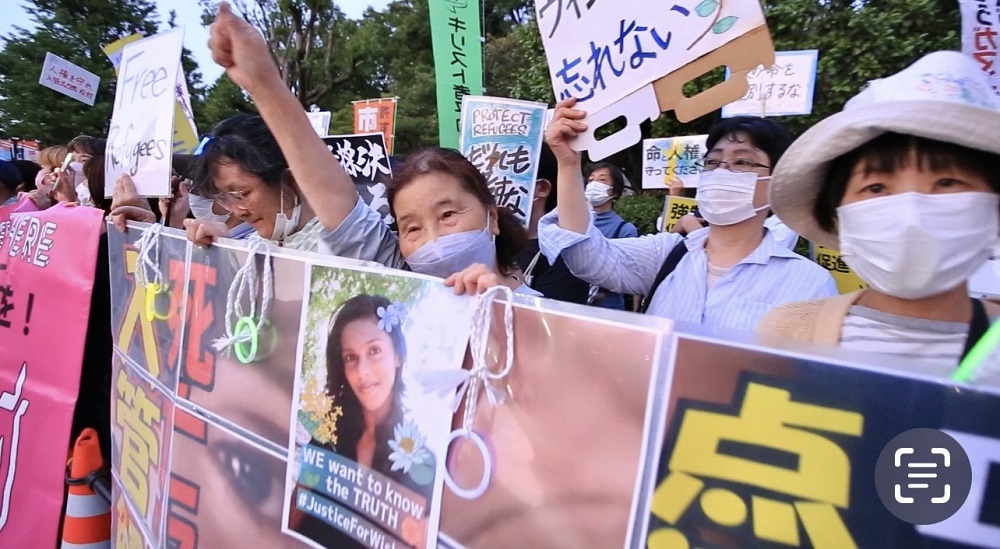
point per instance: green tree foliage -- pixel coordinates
(75, 31)
(223, 100)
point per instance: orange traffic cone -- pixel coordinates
(87, 523)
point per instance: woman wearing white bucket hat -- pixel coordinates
(905, 183)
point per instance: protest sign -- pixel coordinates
(376, 115)
(831, 260)
(674, 209)
(47, 265)
(760, 446)
(503, 139)
(68, 79)
(456, 37)
(637, 55)
(667, 157)
(980, 26)
(140, 139)
(370, 340)
(185, 131)
(782, 89)
(365, 160)
(320, 122)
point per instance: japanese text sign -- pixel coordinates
(831, 260)
(47, 265)
(458, 61)
(674, 209)
(141, 136)
(68, 79)
(503, 138)
(668, 157)
(376, 115)
(363, 157)
(783, 89)
(980, 26)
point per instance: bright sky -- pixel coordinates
(188, 16)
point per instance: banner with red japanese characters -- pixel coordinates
(980, 22)
(47, 265)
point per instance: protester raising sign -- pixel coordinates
(783, 89)
(503, 138)
(68, 79)
(364, 159)
(376, 115)
(668, 157)
(142, 127)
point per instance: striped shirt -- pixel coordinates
(771, 275)
(932, 341)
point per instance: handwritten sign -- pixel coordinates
(668, 157)
(68, 79)
(376, 115)
(364, 158)
(458, 61)
(980, 21)
(503, 138)
(674, 209)
(142, 126)
(320, 122)
(783, 89)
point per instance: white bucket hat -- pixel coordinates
(944, 96)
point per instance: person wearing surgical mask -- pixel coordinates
(205, 209)
(728, 275)
(605, 185)
(904, 183)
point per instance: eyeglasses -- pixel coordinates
(736, 164)
(231, 199)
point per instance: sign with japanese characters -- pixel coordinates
(760, 448)
(365, 160)
(831, 260)
(456, 37)
(783, 89)
(503, 138)
(141, 137)
(68, 79)
(665, 158)
(674, 209)
(320, 122)
(47, 265)
(980, 26)
(377, 115)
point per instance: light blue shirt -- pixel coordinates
(771, 275)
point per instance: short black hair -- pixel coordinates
(617, 177)
(548, 169)
(29, 171)
(10, 177)
(765, 134)
(894, 151)
(244, 140)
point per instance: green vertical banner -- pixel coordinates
(458, 61)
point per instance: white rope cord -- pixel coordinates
(148, 245)
(245, 284)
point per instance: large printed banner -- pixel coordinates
(783, 89)
(503, 138)
(47, 266)
(980, 27)
(665, 158)
(140, 140)
(376, 115)
(364, 158)
(456, 37)
(770, 449)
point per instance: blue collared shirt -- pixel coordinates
(771, 275)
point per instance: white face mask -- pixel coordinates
(451, 253)
(201, 207)
(83, 194)
(284, 227)
(726, 197)
(597, 193)
(916, 245)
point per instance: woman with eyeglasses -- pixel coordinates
(727, 275)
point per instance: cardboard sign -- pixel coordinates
(503, 138)
(365, 160)
(847, 280)
(783, 89)
(47, 266)
(458, 61)
(668, 157)
(320, 122)
(377, 115)
(674, 209)
(980, 26)
(68, 79)
(142, 127)
(764, 447)
(636, 55)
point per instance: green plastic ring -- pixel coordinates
(246, 324)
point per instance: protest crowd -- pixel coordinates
(902, 184)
